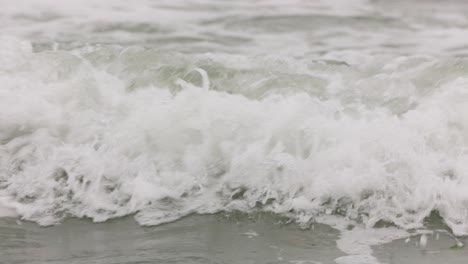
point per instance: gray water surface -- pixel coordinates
(221, 238)
(195, 239)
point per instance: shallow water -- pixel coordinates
(344, 113)
(222, 238)
(196, 239)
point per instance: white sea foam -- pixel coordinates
(81, 138)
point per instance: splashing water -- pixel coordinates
(79, 139)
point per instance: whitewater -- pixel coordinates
(337, 112)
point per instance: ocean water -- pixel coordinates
(348, 114)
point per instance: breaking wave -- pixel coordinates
(107, 131)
